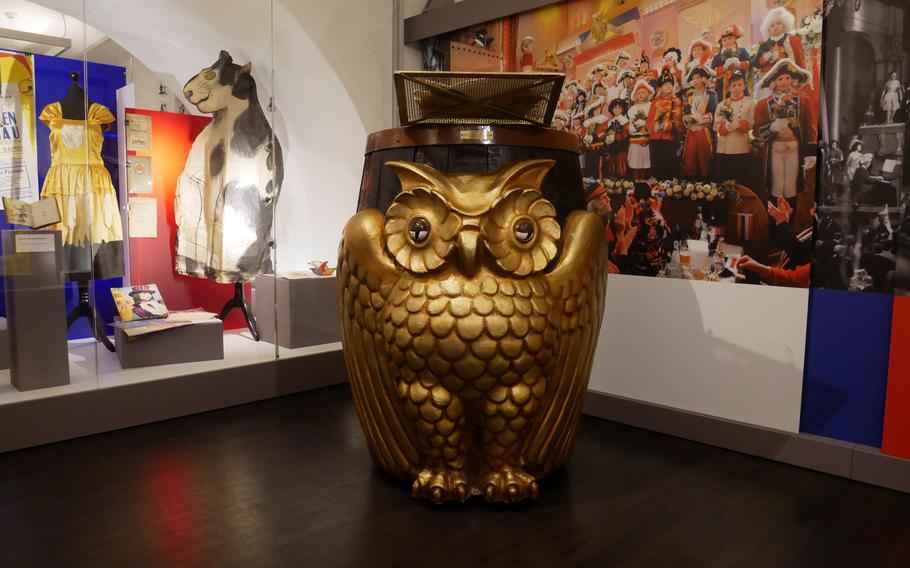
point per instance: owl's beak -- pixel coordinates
(467, 249)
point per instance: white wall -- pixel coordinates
(735, 351)
(332, 64)
(146, 82)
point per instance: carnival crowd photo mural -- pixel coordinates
(697, 123)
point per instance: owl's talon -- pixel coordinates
(509, 484)
(440, 485)
(462, 491)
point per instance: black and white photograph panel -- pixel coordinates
(863, 190)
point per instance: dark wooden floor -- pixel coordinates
(288, 482)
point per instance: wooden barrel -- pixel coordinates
(469, 149)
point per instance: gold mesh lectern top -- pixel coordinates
(494, 99)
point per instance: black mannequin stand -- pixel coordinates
(73, 108)
(239, 302)
(84, 309)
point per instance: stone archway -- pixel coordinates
(854, 84)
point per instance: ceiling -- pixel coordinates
(25, 16)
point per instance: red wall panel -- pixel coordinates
(152, 260)
(896, 435)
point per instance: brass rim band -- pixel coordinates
(481, 135)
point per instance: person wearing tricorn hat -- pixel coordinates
(780, 43)
(699, 104)
(664, 124)
(639, 135)
(730, 58)
(699, 56)
(733, 121)
(786, 124)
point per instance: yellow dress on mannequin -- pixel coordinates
(77, 178)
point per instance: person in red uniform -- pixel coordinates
(788, 130)
(796, 278)
(780, 43)
(673, 63)
(699, 104)
(665, 125)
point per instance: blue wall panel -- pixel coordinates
(847, 348)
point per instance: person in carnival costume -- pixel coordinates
(626, 79)
(730, 58)
(639, 135)
(699, 104)
(780, 42)
(733, 120)
(672, 63)
(788, 129)
(699, 56)
(664, 124)
(595, 138)
(617, 140)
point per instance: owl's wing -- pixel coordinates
(578, 284)
(366, 277)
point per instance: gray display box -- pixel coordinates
(4, 345)
(35, 309)
(306, 309)
(197, 342)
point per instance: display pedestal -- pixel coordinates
(4, 345)
(306, 308)
(35, 309)
(197, 342)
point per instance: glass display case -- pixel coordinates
(142, 176)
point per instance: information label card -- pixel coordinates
(39, 242)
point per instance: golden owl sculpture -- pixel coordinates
(469, 321)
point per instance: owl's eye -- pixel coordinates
(418, 229)
(208, 75)
(523, 229)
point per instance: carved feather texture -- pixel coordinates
(471, 383)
